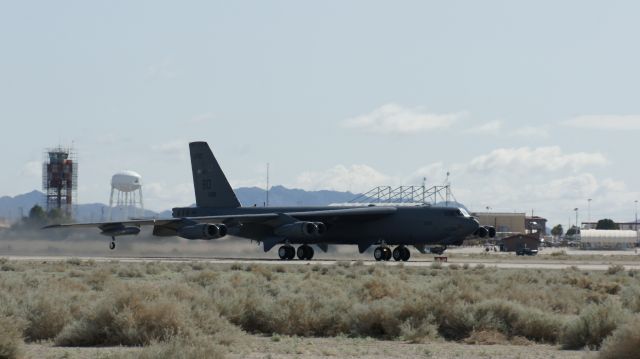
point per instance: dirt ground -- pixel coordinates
(257, 347)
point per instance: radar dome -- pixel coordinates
(126, 181)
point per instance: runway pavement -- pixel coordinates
(498, 263)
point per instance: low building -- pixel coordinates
(608, 239)
(518, 241)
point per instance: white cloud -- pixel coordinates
(354, 178)
(491, 127)
(525, 159)
(395, 119)
(605, 122)
(161, 196)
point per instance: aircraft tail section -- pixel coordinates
(210, 184)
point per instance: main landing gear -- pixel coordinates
(287, 252)
(112, 245)
(384, 253)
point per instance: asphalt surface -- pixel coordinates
(496, 262)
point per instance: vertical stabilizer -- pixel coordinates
(211, 185)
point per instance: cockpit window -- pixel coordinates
(464, 212)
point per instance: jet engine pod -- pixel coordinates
(491, 231)
(203, 231)
(322, 228)
(297, 230)
(482, 232)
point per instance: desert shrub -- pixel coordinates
(46, 314)
(423, 331)
(10, 338)
(98, 278)
(236, 266)
(126, 316)
(615, 269)
(624, 342)
(592, 326)
(378, 319)
(513, 319)
(455, 320)
(154, 268)
(204, 278)
(561, 253)
(74, 261)
(631, 298)
(436, 265)
(130, 271)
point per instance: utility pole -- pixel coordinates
(577, 227)
(637, 239)
(589, 212)
(267, 203)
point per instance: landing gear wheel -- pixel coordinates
(387, 253)
(405, 254)
(378, 254)
(112, 245)
(398, 253)
(305, 252)
(286, 252)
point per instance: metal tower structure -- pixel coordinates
(60, 179)
(407, 195)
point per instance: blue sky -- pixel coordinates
(529, 105)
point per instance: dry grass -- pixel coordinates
(169, 305)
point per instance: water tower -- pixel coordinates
(126, 192)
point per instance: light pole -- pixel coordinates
(637, 239)
(589, 212)
(577, 227)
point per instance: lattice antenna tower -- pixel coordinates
(60, 179)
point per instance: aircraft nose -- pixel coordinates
(473, 225)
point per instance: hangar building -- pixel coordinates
(608, 239)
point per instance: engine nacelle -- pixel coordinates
(203, 231)
(491, 231)
(297, 230)
(322, 228)
(482, 232)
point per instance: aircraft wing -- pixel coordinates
(243, 218)
(240, 218)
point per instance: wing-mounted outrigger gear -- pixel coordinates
(116, 229)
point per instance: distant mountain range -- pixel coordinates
(12, 208)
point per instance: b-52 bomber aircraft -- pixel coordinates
(218, 213)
